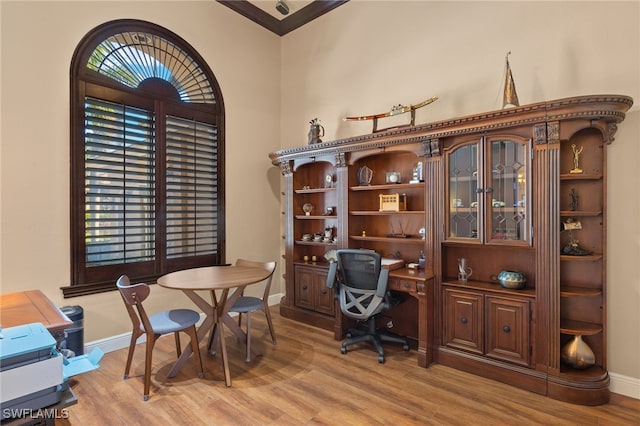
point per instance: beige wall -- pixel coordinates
(360, 58)
(366, 56)
(38, 41)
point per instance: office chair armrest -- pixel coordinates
(383, 282)
(331, 276)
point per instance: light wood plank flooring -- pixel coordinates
(304, 379)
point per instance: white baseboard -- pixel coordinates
(121, 341)
(624, 385)
(620, 384)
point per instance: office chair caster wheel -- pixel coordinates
(343, 351)
(381, 359)
(405, 347)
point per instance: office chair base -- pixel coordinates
(375, 338)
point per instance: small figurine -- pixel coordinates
(573, 249)
(574, 200)
(576, 159)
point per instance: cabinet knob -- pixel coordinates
(324, 291)
(304, 287)
(463, 320)
(479, 190)
(488, 190)
(506, 329)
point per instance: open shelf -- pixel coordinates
(581, 176)
(399, 240)
(572, 291)
(489, 287)
(313, 190)
(581, 328)
(589, 258)
(579, 213)
(383, 213)
(314, 243)
(387, 186)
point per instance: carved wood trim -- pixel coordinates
(553, 132)
(609, 108)
(285, 168)
(540, 134)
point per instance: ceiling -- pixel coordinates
(263, 12)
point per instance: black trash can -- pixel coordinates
(74, 335)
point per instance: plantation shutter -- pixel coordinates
(119, 184)
(192, 182)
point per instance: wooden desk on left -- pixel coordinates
(26, 307)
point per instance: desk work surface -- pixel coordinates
(25, 307)
(213, 277)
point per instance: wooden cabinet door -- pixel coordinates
(311, 290)
(324, 295)
(508, 329)
(304, 284)
(463, 320)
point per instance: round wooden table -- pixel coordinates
(212, 278)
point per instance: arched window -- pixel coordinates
(147, 157)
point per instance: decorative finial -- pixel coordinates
(510, 98)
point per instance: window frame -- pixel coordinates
(86, 82)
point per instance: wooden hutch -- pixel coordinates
(520, 189)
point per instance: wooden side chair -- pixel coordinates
(248, 304)
(154, 326)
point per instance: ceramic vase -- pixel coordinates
(577, 354)
(315, 132)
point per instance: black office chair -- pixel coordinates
(361, 285)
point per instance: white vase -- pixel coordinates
(577, 354)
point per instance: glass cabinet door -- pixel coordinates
(487, 185)
(506, 187)
(462, 206)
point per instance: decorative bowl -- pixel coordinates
(512, 279)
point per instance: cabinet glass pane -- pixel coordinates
(463, 201)
(508, 187)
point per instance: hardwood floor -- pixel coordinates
(304, 379)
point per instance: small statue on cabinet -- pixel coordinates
(574, 200)
(576, 159)
(573, 249)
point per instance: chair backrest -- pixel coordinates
(269, 266)
(134, 295)
(362, 282)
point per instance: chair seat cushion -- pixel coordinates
(247, 304)
(173, 320)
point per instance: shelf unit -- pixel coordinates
(391, 233)
(496, 189)
(582, 276)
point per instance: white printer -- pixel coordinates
(32, 372)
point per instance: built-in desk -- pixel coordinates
(418, 284)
